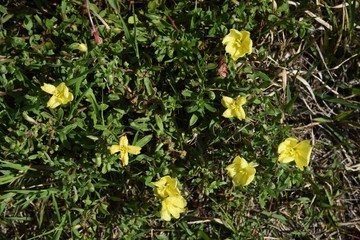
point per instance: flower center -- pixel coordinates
(292, 152)
(56, 93)
(123, 149)
(238, 42)
(233, 105)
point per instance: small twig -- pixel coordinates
(172, 23)
(311, 125)
(319, 20)
(334, 68)
(323, 61)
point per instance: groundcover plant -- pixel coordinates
(179, 119)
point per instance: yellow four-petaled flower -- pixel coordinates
(166, 186)
(234, 107)
(241, 172)
(291, 149)
(238, 43)
(124, 148)
(60, 94)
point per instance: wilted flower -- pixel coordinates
(82, 47)
(166, 187)
(237, 43)
(234, 107)
(124, 148)
(60, 94)
(291, 149)
(241, 172)
(172, 206)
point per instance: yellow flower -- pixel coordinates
(241, 171)
(291, 149)
(237, 43)
(60, 94)
(82, 47)
(166, 187)
(172, 206)
(124, 148)
(234, 107)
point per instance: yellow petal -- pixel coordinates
(162, 181)
(241, 162)
(231, 169)
(240, 101)
(238, 53)
(172, 206)
(287, 144)
(227, 101)
(124, 156)
(67, 97)
(53, 102)
(164, 213)
(133, 149)
(114, 149)
(61, 87)
(233, 51)
(228, 113)
(231, 37)
(166, 187)
(63, 93)
(227, 39)
(240, 113)
(178, 201)
(247, 45)
(123, 141)
(49, 88)
(244, 177)
(285, 157)
(303, 150)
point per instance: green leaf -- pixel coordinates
(159, 123)
(322, 120)
(193, 120)
(15, 166)
(142, 142)
(114, 4)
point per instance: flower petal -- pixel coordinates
(53, 102)
(228, 113)
(114, 149)
(240, 101)
(240, 113)
(164, 213)
(285, 157)
(303, 150)
(227, 101)
(241, 162)
(287, 144)
(123, 141)
(133, 149)
(49, 88)
(166, 186)
(244, 177)
(124, 156)
(175, 205)
(231, 169)
(232, 36)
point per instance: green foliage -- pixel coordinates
(155, 77)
